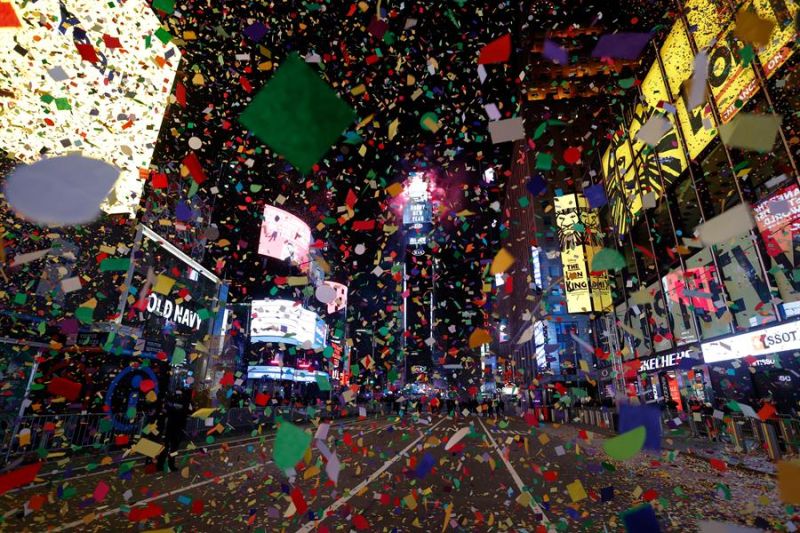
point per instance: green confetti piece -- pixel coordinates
(297, 114)
(163, 35)
(115, 264)
(167, 6)
(85, 314)
(290, 445)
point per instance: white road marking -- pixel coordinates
(513, 472)
(180, 489)
(238, 443)
(309, 526)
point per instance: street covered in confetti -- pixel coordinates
(439, 266)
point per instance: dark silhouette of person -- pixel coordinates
(177, 414)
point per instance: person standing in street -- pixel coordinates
(177, 415)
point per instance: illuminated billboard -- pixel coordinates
(629, 166)
(579, 236)
(418, 208)
(340, 301)
(284, 236)
(90, 77)
(778, 221)
(287, 322)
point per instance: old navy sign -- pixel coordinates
(754, 343)
(667, 360)
(172, 311)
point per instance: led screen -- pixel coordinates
(86, 76)
(284, 236)
(287, 322)
(341, 296)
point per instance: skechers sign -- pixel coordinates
(172, 311)
(669, 360)
(766, 341)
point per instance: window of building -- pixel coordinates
(703, 292)
(749, 296)
(761, 172)
(718, 179)
(643, 252)
(687, 212)
(663, 238)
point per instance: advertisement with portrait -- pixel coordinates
(284, 236)
(732, 82)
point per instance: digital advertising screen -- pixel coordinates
(287, 322)
(94, 78)
(340, 301)
(285, 237)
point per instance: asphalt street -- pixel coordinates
(397, 474)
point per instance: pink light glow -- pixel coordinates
(416, 185)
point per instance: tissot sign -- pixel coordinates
(172, 311)
(754, 343)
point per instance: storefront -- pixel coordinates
(674, 376)
(758, 365)
(173, 313)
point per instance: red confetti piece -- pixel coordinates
(111, 42)
(195, 169)
(8, 17)
(298, 500)
(64, 387)
(360, 523)
(497, 51)
(180, 94)
(19, 477)
(363, 225)
(87, 52)
(716, 464)
(151, 511)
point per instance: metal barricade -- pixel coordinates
(69, 432)
(734, 431)
(754, 427)
(769, 439)
(790, 434)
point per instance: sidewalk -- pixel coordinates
(755, 462)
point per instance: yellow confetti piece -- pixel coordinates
(311, 471)
(501, 262)
(447, 512)
(147, 447)
(576, 491)
(395, 189)
(393, 125)
(431, 124)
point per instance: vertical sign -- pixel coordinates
(578, 235)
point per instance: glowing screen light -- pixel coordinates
(286, 322)
(417, 187)
(284, 236)
(340, 301)
(86, 76)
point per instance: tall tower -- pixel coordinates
(418, 280)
